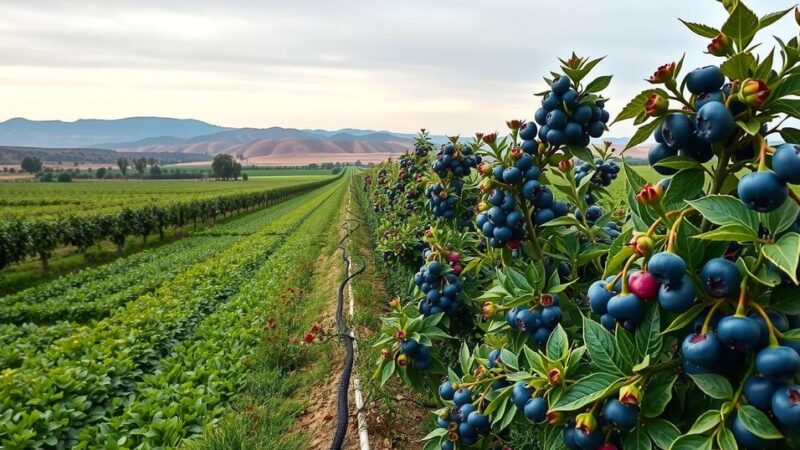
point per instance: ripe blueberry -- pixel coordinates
(704, 79)
(479, 422)
(620, 415)
(543, 216)
(599, 297)
(556, 119)
(762, 191)
(535, 409)
(778, 362)
(446, 390)
(677, 297)
(759, 391)
(667, 267)
(462, 397)
(520, 394)
(786, 163)
(525, 320)
(561, 84)
(409, 347)
(739, 333)
(626, 307)
(512, 175)
(786, 405)
(528, 131)
(708, 97)
(721, 277)
(701, 349)
(551, 316)
(714, 122)
(678, 131)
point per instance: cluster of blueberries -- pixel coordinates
(664, 280)
(604, 173)
(443, 202)
(465, 422)
(450, 160)
(420, 354)
(442, 290)
(564, 119)
(692, 137)
(537, 323)
(503, 223)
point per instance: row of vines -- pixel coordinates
(22, 238)
(540, 311)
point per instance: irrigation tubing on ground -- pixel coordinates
(342, 407)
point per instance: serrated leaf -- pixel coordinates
(724, 209)
(741, 26)
(738, 66)
(768, 19)
(557, 343)
(648, 334)
(635, 106)
(784, 254)
(715, 386)
(701, 29)
(509, 358)
(758, 423)
(601, 348)
(626, 347)
(685, 184)
(585, 391)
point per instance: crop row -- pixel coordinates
(91, 374)
(187, 392)
(95, 293)
(21, 238)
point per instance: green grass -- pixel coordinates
(256, 172)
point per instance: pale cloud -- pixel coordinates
(453, 66)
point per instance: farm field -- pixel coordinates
(148, 350)
(43, 200)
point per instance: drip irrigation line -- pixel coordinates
(348, 337)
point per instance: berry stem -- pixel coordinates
(531, 230)
(773, 339)
(664, 218)
(624, 273)
(709, 315)
(610, 286)
(742, 298)
(762, 154)
(673, 233)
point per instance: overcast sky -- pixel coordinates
(453, 66)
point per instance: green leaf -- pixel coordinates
(535, 361)
(686, 246)
(705, 422)
(387, 372)
(601, 348)
(618, 253)
(790, 134)
(692, 442)
(784, 254)
(636, 105)
(598, 84)
(509, 358)
(662, 432)
(679, 163)
(658, 394)
(741, 26)
(726, 440)
(464, 359)
(499, 402)
(557, 343)
(787, 86)
(562, 221)
(782, 218)
(715, 386)
(643, 133)
(751, 127)
(768, 19)
(701, 29)
(758, 423)
(586, 390)
(648, 334)
(738, 66)
(437, 432)
(785, 299)
(638, 439)
(627, 349)
(729, 232)
(787, 106)
(724, 209)
(685, 318)
(685, 184)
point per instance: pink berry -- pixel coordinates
(644, 285)
(454, 257)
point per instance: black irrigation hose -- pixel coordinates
(342, 408)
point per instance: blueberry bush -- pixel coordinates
(541, 312)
